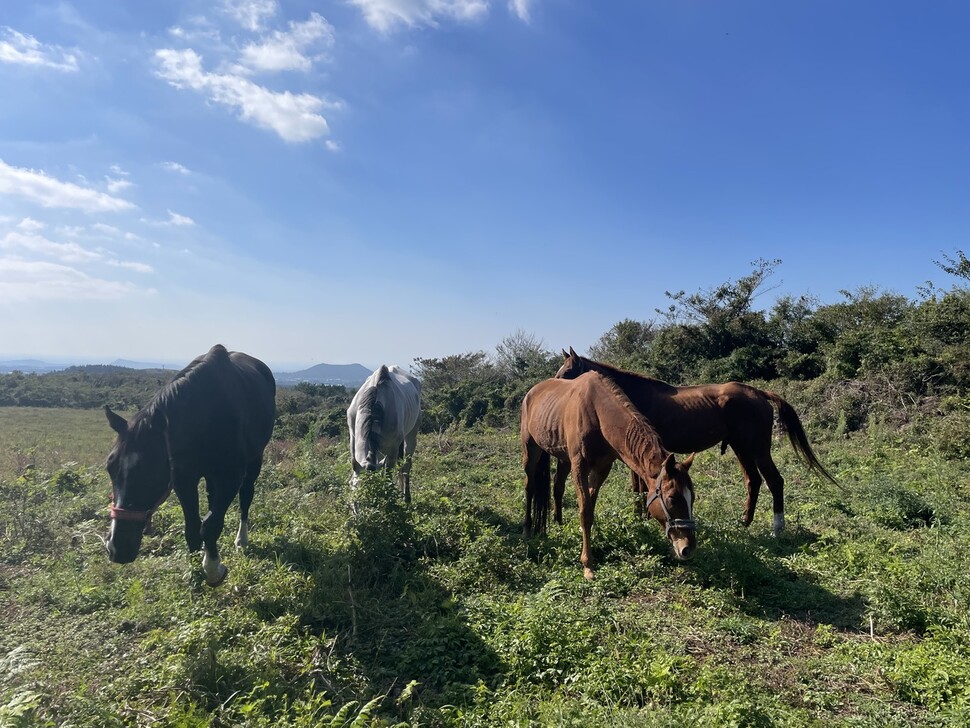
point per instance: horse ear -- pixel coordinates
(118, 423)
(669, 463)
(572, 353)
(688, 461)
(565, 354)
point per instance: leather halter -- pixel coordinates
(687, 524)
(129, 514)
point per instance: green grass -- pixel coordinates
(441, 614)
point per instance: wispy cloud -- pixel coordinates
(521, 9)
(34, 280)
(117, 184)
(25, 50)
(131, 265)
(385, 15)
(48, 191)
(33, 244)
(30, 225)
(286, 51)
(179, 220)
(250, 14)
(294, 117)
(176, 167)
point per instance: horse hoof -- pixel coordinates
(588, 573)
(224, 572)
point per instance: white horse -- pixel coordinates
(383, 419)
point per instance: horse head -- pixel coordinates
(572, 366)
(140, 470)
(671, 502)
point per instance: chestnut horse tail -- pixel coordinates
(796, 435)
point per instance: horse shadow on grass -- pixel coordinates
(372, 593)
(754, 569)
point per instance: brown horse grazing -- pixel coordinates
(690, 419)
(589, 423)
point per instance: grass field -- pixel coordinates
(441, 614)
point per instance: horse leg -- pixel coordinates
(187, 490)
(588, 483)
(776, 484)
(246, 492)
(640, 491)
(752, 480)
(221, 492)
(562, 472)
(407, 452)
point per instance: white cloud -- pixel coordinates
(250, 14)
(332, 145)
(116, 169)
(286, 51)
(47, 191)
(26, 50)
(521, 8)
(130, 265)
(116, 184)
(39, 245)
(22, 280)
(176, 167)
(294, 117)
(105, 229)
(384, 15)
(179, 220)
(30, 225)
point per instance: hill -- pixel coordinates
(349, 375)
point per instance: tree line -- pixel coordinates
(872, 354)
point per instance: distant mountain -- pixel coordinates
(128, 364)
(29, 366)
(349, 375)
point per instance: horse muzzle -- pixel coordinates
(124, 541)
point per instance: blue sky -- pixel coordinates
(375, 180)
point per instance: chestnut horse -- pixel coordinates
(690, 419)
(589, 423)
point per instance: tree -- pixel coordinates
(959, 266)
(626, 344)
(521, 356)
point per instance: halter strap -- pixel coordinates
(129, 514)
(688, 524)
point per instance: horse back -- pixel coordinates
(221, 411)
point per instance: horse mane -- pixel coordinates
(614, 373)
(370, 403)
(641, 437)
(185, 381)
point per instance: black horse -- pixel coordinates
(211, 421)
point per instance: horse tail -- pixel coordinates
(541, 493)
(796, 435)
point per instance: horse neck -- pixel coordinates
(629, 434)
(626, 380)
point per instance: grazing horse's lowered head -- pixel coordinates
(671, 502)
(140, 470)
